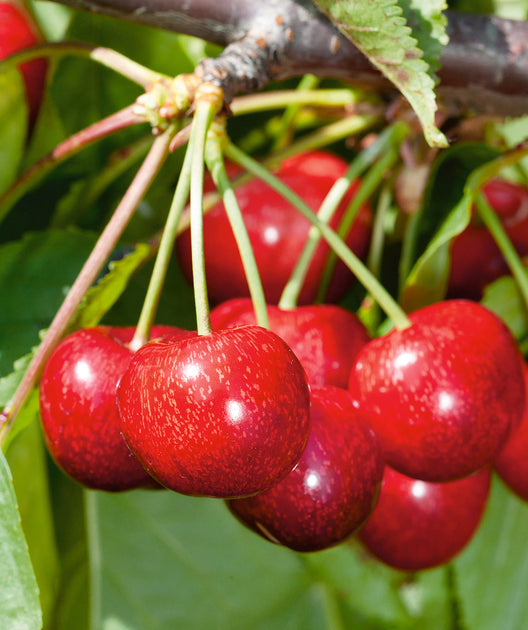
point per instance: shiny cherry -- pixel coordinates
(278, 232)
(225, 414)
(419, 524)
(79, 411)
(325, 337)
(475, 257)
(333, 488)
(511, 462)
(442, 394)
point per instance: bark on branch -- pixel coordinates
(484, 67)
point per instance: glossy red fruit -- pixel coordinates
(442, 394)
(419, 525)
(79, 411)
(512, 461)
(333, 488)
(18, 31)
(325, 337)
(277, 232)
(224, 415)
(475, 258)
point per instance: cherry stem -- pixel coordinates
(88, 274)
(102, 128)
(279, 99)
(501, 238)
(369, 184)
(105, 56)
(215, 164)
(283, 132)
(367, 279)
(163, 258)
(205, 111)
(290, 294)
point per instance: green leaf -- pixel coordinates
(428, 23)
(444, 213)
(101, 297)
(13, 124)
(492, 575)
(380, 31)
(27, 459)
(197, 567)
(20, 609)
(505, 300)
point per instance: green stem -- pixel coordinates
(203, 116)
(105, 56)
(279, 99)
(493, 224)
(91, 268)
(215, 163)
(163, 258)
(382, 296)
(375, 254)
(369, 184)
(330, 204)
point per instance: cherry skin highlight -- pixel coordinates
(476, 260)
(419, 525)
(326, 338)
(333, 488)
(79, 411)
(511, 462)
(443, 394)
(225, 414)
(278, 233)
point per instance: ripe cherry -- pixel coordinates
(225, 414)
(475, 257)
(326, 338)
(18, 30)
(420, 525)
(442, 394)
(512, 461)
(333, 488)
(79, 411)
(277, 232)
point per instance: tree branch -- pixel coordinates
(484, 67)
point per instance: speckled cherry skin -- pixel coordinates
(79, 411)
(278, 233)
(443, 393)
(333, 488)
(421, 524)
(18, 31)
(476, 259)
(225, 414)
(325, 337)
(511, 462)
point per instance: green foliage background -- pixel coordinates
(155, 560)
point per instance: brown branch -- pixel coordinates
(484, 67)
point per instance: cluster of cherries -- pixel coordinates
(311, 431)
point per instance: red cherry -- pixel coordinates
(79, 411)
(333, 488)
(512, 461)
(443, 393)
(419, 524)
(277, 232)
(475, 258)
(223, 415)
(18, 30)
(325, 337)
